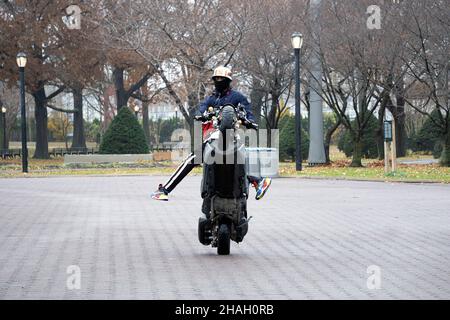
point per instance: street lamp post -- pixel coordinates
(21, 60)
(4, 146)
(136, 111)
(297, 42)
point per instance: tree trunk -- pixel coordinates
(3, 131)
(256, 98)
(328, 137)
(445, 155)
(357, 153)
(40, 115)
(121, 98)
(272, 122)
(145, 118)
(400, 132)
(79, 140)
(398, 113)
(380, 133)
(272, 116)
(145, 121)
(400, 120)
(192, 108)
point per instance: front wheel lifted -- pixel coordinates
(223, 240)
(227, 118)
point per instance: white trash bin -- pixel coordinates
(262, 162)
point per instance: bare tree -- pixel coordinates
(265, 58)
(41, 22)
(10, 101)
(197, 36)
(429, 74)
(360, 67)
(115, 32)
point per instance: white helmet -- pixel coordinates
(222, 72)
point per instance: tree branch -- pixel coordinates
(55, 93)
(61, 110)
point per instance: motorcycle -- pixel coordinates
(224, 186)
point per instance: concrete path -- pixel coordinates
(104, 238)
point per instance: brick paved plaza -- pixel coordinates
(309, 239)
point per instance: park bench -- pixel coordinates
(63, 151)
(79, 150)
(161, 147)
(10, 153)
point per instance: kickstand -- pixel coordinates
(245, 222)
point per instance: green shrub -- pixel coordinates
(428, 138)
(124, 135)
(161, 130)
(168, 127)
(287, 139)
(369, 140)
(92, 130)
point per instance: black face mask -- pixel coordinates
(222, 86)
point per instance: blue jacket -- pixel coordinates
(231, 96)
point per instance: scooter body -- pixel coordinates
(224, 186)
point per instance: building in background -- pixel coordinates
(163, 110)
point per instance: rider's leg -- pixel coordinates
(253, 180)
(182, 171)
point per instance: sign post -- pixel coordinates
(390, 153)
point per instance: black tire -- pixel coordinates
(223, 241)
(227, 118)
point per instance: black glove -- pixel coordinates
(253, 125)
(250, 125)
(202, 117)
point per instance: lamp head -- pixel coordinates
(297, 40)
(21, 60)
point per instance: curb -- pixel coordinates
(366, 180)
(194, 174)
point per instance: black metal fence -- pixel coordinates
(55, 152)
(63, 151)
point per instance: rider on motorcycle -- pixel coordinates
(222, 95)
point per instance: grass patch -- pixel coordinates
(12, 168)
(373, 170)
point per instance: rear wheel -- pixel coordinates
(223, 241)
